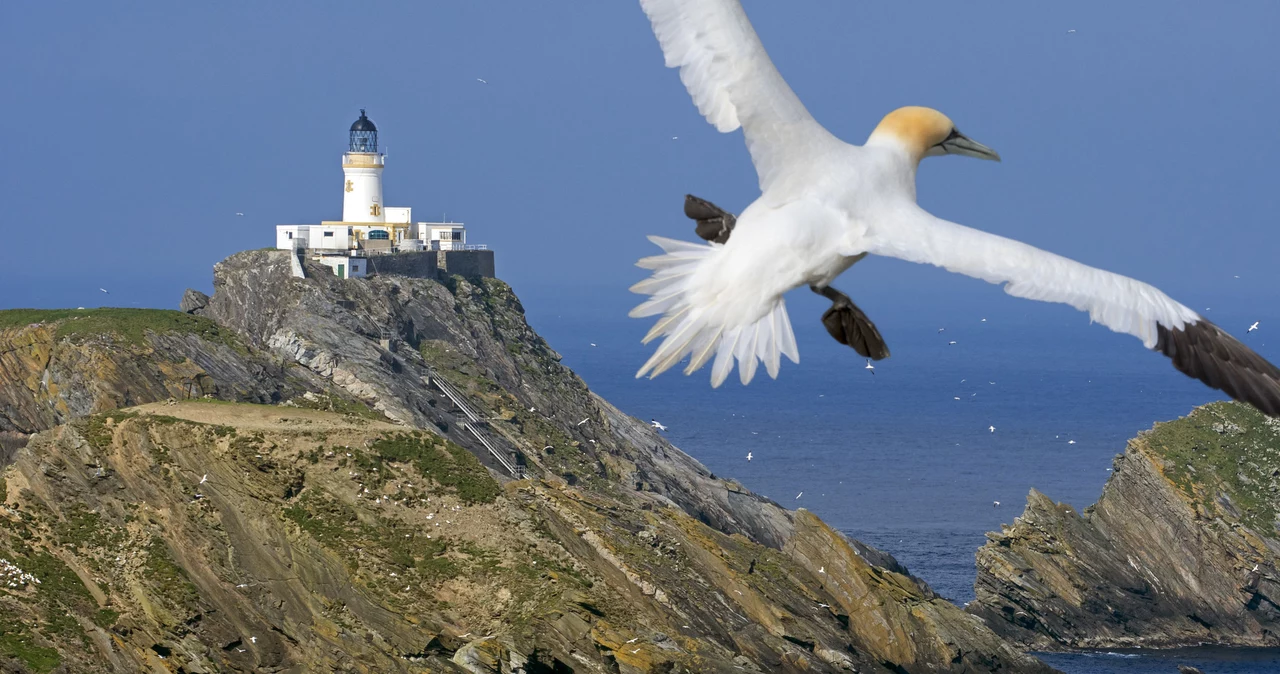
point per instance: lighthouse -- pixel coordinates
(362, 174)
(370, 230)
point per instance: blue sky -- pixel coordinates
(1144, 142)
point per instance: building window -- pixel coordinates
(378, 235)
(328, 233)
(355, 267)
(289, 234)
(457, 236)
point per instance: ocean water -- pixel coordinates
(905, 458)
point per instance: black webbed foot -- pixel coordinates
(846, 323)
(714, 223)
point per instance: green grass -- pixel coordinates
(448, 464)
(169, 578)
(17, 642)
(331, 403)
(1225, 448)
(131, 325)
(80, 526)
(336, 526)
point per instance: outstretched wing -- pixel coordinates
(1197, 347)
(732, 81)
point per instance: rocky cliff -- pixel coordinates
(386, 534)
(1181, 549)
(63, 364)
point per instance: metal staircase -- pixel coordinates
(475, 424)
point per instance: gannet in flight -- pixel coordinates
(657, 425)
(1253, 327)
(826, 204)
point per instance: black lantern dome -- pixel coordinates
(364, 135)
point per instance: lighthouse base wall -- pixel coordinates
(467, 263)
(415, 265)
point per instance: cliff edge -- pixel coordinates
(1181, 548)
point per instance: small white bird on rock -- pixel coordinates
(826, 204)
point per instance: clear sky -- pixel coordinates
(1144, 142)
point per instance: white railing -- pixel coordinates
(473, 415)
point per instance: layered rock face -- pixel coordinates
(1181, 548)
(60, 365)
(382, 536)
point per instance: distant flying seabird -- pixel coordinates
(826, 204)
(870, 367)
(1253, 327)
(748, 456)
(655, 424)
(104, 290)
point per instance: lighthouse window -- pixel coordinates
(328, 233)
(379, 234)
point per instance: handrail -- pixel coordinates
(454, 395)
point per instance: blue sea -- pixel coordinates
(905, 458)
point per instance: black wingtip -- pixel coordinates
(1204, 351)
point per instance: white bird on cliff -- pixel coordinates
(584, 421)
(826, 204)
(657, 425)
(204, 479)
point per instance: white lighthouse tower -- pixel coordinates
(362, 173)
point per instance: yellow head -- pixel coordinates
(925, 132)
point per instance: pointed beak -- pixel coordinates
(958, 143)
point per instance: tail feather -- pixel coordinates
(702, 324)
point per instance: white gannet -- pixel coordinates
(992, 429)
(1253, 327)
(748, 456)
(825, 204)
(657, 425)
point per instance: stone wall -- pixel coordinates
(467, 263)
(413, 264)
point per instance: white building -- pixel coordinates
(368, 226)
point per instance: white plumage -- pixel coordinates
(824, 204)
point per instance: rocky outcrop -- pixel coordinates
(58, 365)
(473, 334)
(193, 302)
(1181, 549)
(213, 537)
(202, 536)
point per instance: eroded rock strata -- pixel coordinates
(1180, 549)
(374, 532)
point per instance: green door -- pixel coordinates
(342, 271)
